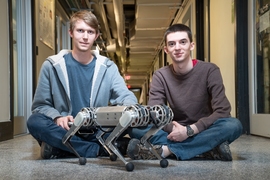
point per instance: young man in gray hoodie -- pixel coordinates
(69, 81)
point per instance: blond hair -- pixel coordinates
(87, 16)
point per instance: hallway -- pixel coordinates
(20, 159)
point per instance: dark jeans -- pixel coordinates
(43, 128)
(224, 129)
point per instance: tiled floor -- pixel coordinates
(20, 159)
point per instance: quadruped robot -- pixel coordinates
(117, 119)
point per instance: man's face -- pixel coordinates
(83, 36)
(178, 46)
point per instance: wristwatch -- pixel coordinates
(190, 131)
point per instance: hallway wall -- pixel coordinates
(222, 45)
(43, 50)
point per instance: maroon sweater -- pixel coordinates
(196, 97)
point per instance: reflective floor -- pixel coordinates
(20, 159)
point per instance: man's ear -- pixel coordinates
(70, 33)
(192, 46)
(165, 49)
(97, 36)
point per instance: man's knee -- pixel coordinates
(238, 128)
(37, 121)
(234, 124)
(232, 127)
(229, 124)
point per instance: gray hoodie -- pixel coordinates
(52, 96)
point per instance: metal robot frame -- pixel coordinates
(119, 118)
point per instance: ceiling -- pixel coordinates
(131, 31)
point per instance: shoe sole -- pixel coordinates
(224, 150)
(46, 151)
(133, 148)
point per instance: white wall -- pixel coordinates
(222, 44)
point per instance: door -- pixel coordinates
(259, 63)
(6, 123)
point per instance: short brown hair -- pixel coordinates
(87, 16)
(177, 28)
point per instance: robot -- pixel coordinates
(116, 119)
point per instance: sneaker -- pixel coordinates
(122, 144)
(225, 152)
(49, 152)
(221, 152)
(103, 152)
(137, 151)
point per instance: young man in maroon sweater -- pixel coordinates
(194, 90)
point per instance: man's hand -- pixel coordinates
(63, 121)
(179, 132)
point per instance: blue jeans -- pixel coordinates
(43, 128)
(224, 129)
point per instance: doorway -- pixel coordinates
(6, 120)
(259, 63)
(22, 64)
